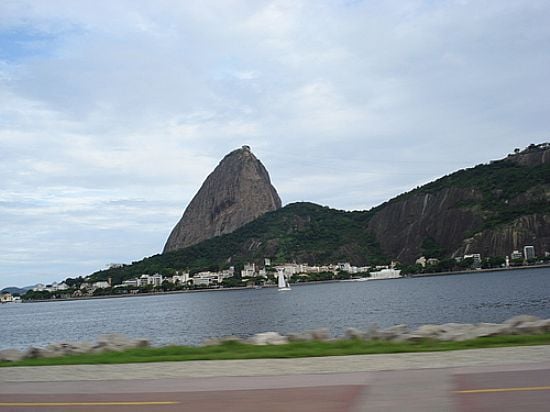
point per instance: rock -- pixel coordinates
(517, 320)
(142, 343)
(211, 342)
(300, 337)
(409, 337)
(533, 328)
(268, 338)
(231, 338)
(11, 355)
(321, 335)
(353, 333)
(114, 339)
(37, 353)
(373, 332)
(393, 332)
(429, 331)
(237, 192)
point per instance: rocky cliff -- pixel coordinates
(237, 192)
(490, 209)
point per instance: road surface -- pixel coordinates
(503, 379)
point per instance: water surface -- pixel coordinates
(189, 318)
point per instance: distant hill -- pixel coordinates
(490, 209)
(15, 290)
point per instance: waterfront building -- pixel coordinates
(6, 298)
(516, 254)
(345, 266)
(180, 278)
(156, 279)
(131, 283)
(422, 261)
(529, 252)
(249, 270)
(475, 256)
(386, 274)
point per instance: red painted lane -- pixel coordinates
(513, 400)
(309, 399)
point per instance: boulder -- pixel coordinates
(533, 328)
(37, 353)
(321, 335)
(300, 337)
(373, 332)
(517, 320)
(11, 355)
(393, 332)
(231, 338)
(429, 331)
(409, 337)
(268, 338)
(211, 342)
(353, 333)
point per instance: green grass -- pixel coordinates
(235, 350)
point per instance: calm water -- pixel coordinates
(191, 317)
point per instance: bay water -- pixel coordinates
(190, 318)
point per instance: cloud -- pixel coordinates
(113, 113)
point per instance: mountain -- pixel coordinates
(490, 209)
(237, 192)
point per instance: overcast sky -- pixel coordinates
(112, 113)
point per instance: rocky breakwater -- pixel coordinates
(106, 343)
(518, 325)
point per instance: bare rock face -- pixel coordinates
(237, 192)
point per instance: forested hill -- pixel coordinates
(302, 232)
(490, 209)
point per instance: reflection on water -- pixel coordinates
(191, 317)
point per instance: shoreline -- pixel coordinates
(319, 282)
(473, 272)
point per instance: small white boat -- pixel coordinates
(282, 282)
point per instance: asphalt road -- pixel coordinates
(482, 383)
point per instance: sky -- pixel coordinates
(112, 113)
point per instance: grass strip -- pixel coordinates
(237, 350)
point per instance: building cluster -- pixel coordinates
(526, 255)
(250, 273)
(304, 270)
(7, 297)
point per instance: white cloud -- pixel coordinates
(114, 112)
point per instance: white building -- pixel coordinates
(131, 283)
(386, 274)
(475, 256)
(249, 270)
(101, 285)
(180, 278)
(6, 298)
(206, 279)
(529, 252)
(156, 279)
(516, 254)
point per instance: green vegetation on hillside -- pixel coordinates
(301, 232)
(509, 190)
(309, 233)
